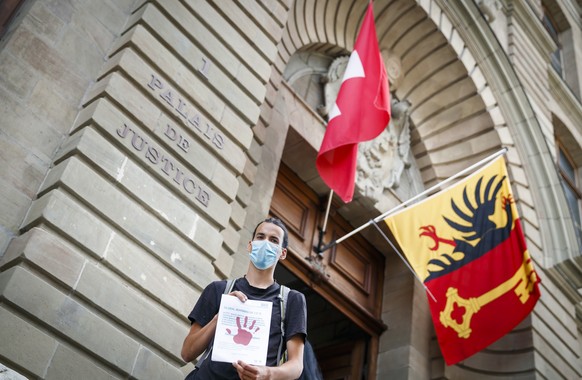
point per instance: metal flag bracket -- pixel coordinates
(320, 248)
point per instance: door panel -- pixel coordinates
(298, 210)
(350, 275)
(344, 361)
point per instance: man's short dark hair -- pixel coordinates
(278, 223)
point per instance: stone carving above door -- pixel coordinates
(382, 161)
(331, 83)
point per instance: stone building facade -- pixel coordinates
(143, 140)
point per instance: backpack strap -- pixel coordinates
(283, 296)
(229, 286)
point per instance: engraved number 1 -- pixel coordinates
(205, 67)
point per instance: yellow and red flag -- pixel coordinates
(467, 246)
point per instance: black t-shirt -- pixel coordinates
(295, 321)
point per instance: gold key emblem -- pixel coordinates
(522, 282)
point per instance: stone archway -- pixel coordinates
(466, 100)
(455, 118)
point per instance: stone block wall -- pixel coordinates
(127, 128)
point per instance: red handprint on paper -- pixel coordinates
(243, 335)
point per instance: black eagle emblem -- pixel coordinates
(477, 233)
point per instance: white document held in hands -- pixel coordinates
(242, 331)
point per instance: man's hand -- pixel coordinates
(291, 369)
(240, 295)
(247, 371)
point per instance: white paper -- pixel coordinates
(242, 332)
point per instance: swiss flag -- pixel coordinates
(360, 113)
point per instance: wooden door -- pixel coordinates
(344, 361)
(350, 276)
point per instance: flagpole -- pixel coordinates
(403, 259)
(324, 228)
(327, 211)
(405, 203)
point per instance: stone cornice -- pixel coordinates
(564, 97)
(534, 28)
(572, 10)
(568, 276)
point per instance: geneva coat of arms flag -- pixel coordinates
(360, 113)
(466, 244)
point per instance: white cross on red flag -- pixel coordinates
(360, 113)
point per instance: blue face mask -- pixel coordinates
(264, 254)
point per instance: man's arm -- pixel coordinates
(198, 339)
(293, 367)
(289, 370)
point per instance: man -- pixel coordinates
(268, 246)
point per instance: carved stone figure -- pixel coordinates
(489, 8)
(382, 161)
(331, 84)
